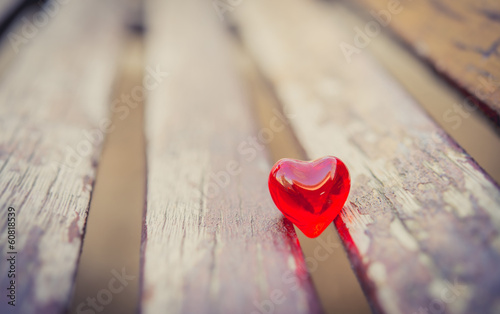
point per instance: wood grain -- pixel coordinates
(53, 101)
(459, 38)
(113, 228)
(208, 251)
(422, 221)
(443, 102)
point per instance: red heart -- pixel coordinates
(310, 194)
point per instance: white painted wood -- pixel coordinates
(421, 216)
(54, 98)
(208, 252)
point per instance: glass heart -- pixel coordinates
(310, 194)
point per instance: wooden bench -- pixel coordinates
(421, 225)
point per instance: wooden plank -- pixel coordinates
(53, 108)
(209, 248)
(443, 102)
(459, 38)
(422, 221)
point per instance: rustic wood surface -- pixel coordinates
(442, 101)
(460, 38)
(53, 98)
(422, 221)
(208, 252)
(338, 288)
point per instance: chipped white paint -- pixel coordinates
(407, 201)
(483, 190)
(357, 223)
(401, 234)
(424, 259)
(51, 93)
(291, 263)
(377, 272)
(458, 202)
(390, 299)
(208, 247)
(402, 178)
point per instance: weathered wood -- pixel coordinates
(53, 106)
(113, 229)
(459, 38)
(208, 247)
(338, 288)
(422, 221)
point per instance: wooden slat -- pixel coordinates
(460, 38)
(53, 103)
(422, 221)
(208, 252)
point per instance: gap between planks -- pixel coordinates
(112, 237)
